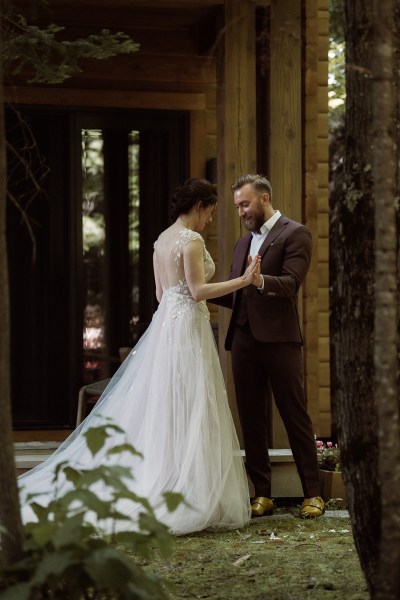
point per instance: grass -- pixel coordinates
(273, 558)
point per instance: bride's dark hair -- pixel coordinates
(185, 196)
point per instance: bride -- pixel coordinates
(169, 395)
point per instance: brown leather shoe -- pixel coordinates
(261, 506)
(312, 508)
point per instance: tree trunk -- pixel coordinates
(386, 299)
(364, 302)
(352, 301)
(10, 517)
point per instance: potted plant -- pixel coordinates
(330, 474)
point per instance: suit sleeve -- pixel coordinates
(225, 301)
(228, 300)
(295, 261)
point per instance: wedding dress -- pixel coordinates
(169, 397)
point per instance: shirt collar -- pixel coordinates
(268, 225)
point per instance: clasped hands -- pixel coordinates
(252, 273)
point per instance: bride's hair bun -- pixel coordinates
(185, 196)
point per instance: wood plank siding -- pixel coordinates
(203, 56)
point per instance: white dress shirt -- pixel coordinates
(258, 238)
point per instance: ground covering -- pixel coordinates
(273, 558)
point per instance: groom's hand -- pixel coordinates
(258, 279)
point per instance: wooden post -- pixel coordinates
(285, 130)
(236, 138)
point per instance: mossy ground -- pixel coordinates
(273, 558)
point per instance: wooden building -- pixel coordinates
(218, 88)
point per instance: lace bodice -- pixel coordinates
(178, 295)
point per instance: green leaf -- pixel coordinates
(59, 467)
(109, 568)
(159, 532)
(53, 565)
(71, 474)
(96, 438)
(71, 532)
(124, 448)
(43, 532)
(173, 500)
(127, 494)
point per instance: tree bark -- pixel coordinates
(10, 516)
(386, 299)
(352, 299)
(365, 295)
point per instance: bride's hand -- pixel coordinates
(257, 277)
(252, 270)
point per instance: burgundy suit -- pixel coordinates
(265, 339)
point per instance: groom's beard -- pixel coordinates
(255, 221)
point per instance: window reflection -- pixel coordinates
(97, 207)
(134, 239)
(94, 239)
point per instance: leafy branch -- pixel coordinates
(69, 555)
(42, 57)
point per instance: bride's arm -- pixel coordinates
(159, 291)
(194, 274)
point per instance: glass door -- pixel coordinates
(88, 288)
(95, 223)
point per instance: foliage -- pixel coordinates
(328, 455)
(337, 84)
(336, 78)
(67, 556)
(43, 57)
(336, 30)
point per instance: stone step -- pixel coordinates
(285, 479)
(23, 448)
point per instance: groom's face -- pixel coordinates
(250, 205)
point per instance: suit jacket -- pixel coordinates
(285, 260)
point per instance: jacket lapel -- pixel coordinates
(277, 229)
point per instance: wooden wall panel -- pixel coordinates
(310, 217)
(323, 219)
(286, 116)
(236, 128)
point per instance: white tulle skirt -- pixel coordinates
(169, 397)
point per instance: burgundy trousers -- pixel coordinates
(255, 364)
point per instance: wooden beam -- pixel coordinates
(104, 98)
(161, 4)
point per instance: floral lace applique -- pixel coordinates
(186, 235)
(182, 305)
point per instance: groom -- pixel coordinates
(265, 340)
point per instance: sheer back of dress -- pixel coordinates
(169, 257)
